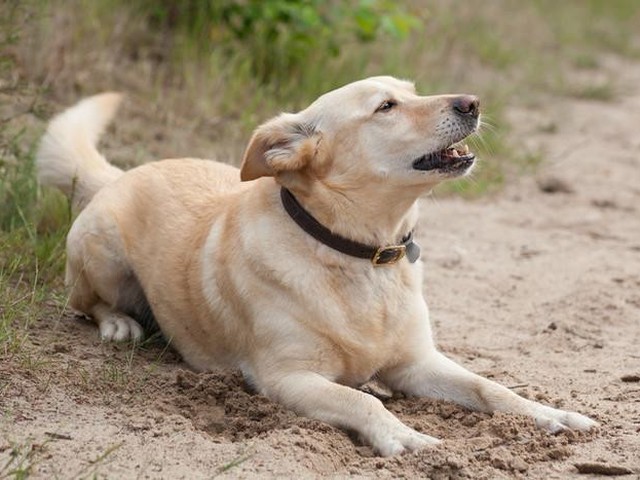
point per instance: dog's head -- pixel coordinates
(369, 132)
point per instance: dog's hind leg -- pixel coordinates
(101, 283)
(115, 325)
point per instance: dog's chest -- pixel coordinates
(368, 319)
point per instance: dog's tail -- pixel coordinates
(67, 157)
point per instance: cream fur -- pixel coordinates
(233, 281)
(68, 151)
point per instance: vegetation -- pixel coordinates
(276, 37)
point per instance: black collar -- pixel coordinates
(386, 255)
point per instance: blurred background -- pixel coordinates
(201, 74)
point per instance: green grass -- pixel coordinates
(235, 462)
(23, 457)
(593, 25)
(602, 91)
(33, 226)
(21, 460)
(586, 61)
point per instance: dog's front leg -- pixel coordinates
(436, 376)
(313, 395)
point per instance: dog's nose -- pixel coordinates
(467, 105)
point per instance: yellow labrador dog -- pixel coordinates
(299, 268)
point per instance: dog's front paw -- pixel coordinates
(399, 438)
(555, 421)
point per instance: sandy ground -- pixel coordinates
(537, 287)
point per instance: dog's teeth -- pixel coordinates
(465, 149)
(454, 152)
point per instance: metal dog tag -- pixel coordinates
(413, 252)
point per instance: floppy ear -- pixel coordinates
(284, 143)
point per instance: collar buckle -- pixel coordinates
(390, 255)
(378, 256)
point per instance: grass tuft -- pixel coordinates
(239, 460)
(21, 460)
(601, 91)
(33, 226)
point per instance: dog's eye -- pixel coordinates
(386, 106)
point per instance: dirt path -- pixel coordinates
(538, 290)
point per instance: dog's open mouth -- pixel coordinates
(452, 159)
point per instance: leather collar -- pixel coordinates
(385, 255)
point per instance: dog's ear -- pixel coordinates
(285, 143)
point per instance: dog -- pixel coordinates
(299, 268)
